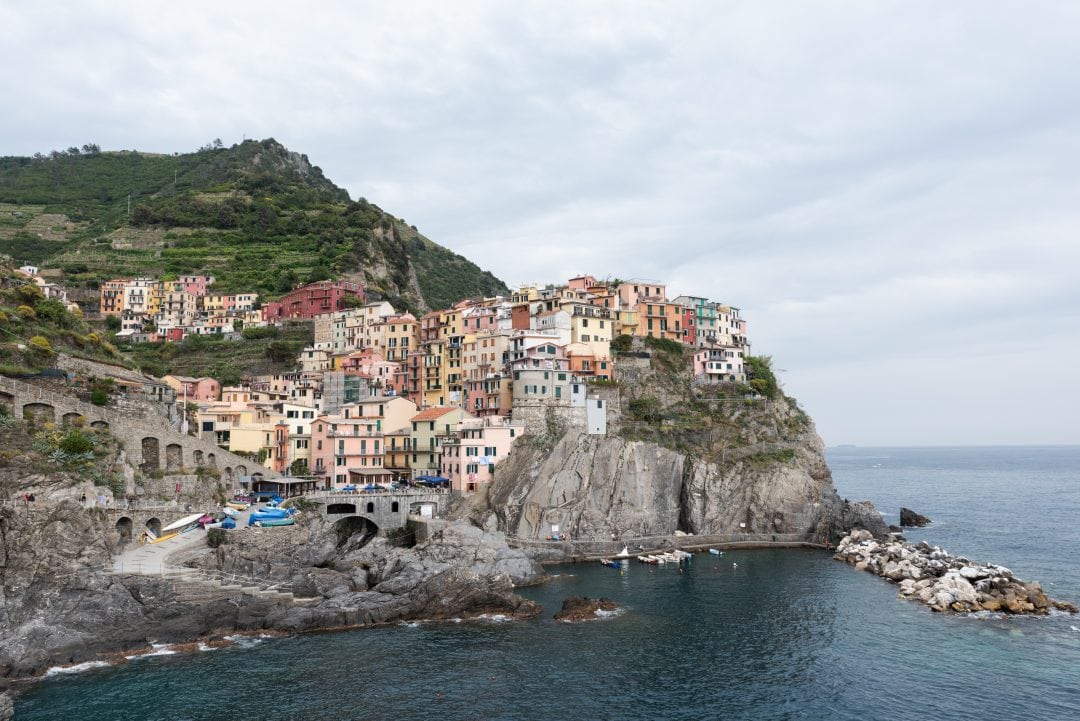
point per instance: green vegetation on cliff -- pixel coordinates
(256, 216)
(34, 328)
(664, 406)
(262, 350)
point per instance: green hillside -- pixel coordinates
(34, 328)
(256, 216)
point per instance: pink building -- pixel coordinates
(313, 299)
(371, 365)
(194, 284)
(339, 444)
(194, 389)
(470, 457)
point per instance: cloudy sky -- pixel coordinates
(889, 190)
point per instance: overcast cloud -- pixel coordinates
(888, 190)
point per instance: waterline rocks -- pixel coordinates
(945, 582)
(583, 608)
(911, 519)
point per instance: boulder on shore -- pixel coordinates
(911, 519)
(583, 608)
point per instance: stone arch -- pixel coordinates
(370, 507)
(100, 425)
(42, 412)
(395, 507)
(227, 474)
(73, 419)
(256, 477)
(335, 509)
(124, 527)
(197, 456)
(151, 454)
(211, 460)
(8, 400)
(354, 531)
(241, 470)
(154, 524)
(174, 457)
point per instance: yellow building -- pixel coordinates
(428, 430)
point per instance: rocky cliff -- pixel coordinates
(60, 605)
(684, 458)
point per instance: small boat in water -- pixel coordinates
(610, 563)
(716, 552)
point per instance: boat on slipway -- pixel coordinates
(279, 521)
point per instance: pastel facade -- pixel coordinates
(313, 299)
(194, 389)
(428, 429)
(469, 458)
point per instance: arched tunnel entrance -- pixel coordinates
(123, 529)
(354, 532)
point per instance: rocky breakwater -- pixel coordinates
(944, 582)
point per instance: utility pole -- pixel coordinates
(129, 205)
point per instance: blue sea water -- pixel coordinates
(752, 635)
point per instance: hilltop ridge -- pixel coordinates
(256, 215)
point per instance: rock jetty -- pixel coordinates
(944, 582)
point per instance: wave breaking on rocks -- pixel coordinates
(944, 582)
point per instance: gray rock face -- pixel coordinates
(596, 486)
(7, 707)
(60, 606)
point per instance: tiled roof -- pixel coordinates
(432, 413)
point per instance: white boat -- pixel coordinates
(716, 552)
(183, 523)
(624, 553)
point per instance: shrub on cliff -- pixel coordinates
(622, 343)
(75, 442)
(645, 408)
(216, 537)
(762, 379)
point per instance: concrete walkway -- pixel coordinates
(150, 559)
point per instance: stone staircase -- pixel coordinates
(199, 587)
